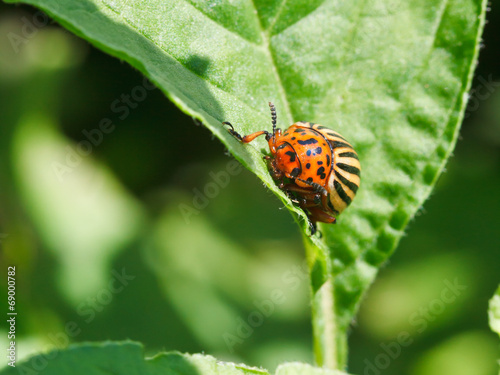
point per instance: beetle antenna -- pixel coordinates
(273, 116)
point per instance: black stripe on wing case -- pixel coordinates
(340, 191)
(348, 155)
(348, 168)
(333, 134)
(351, 185)
(336, 144)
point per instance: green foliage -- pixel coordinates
(494, 312)
(391, 76)
(127, 357)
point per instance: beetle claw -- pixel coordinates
(312, 227)
(233, 132)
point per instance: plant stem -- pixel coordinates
(330, 340)
(324, 327)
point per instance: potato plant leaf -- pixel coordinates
(392, 76)
(125, 358)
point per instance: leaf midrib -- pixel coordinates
(264, 46)
(267, 49)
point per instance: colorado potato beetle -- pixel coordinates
(314, 165)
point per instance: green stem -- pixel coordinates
(324, 327)
(330, 340)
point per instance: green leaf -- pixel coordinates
(494, 313)
(391, 76)
(125, 358)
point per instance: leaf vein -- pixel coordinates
(267, 49)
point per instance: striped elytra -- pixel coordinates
(345, 177)
(315, 166)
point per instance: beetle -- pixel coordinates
(315, 166)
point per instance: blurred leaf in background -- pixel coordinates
(58, 168)
(201, 282)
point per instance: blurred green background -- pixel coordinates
(149, 232)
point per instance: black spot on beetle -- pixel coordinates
(308, 153)
(293, 138)
(309, 141)
(310, 179)
(298, 130)
(308, 165)
(321, 170)
(322, 176)
(319, 150)
(320, 163)
(295, 172)
(292, 155)
(327, 160)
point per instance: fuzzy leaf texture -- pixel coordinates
(391, 76)
(125, 358)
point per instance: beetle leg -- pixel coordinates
(313, 198)
(313, 227)
(323, 193)
(301, 202)
(317, 199)
(315, 187)
(247, 138)
(312, 201)
(309, 197)
(296, 189)
(275, 172)
(308, 203)
(317, 214)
